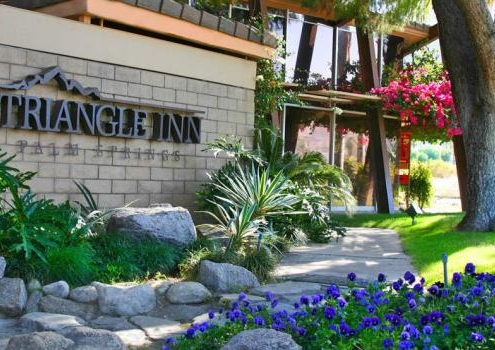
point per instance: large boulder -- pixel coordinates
(188, 293)
(39, 341)
(224, 277)
(128, 299)
(89, 338)
(170, 225)
(84, 294)
(3, 265)
(13, 296)
(42, 321)
(53, 304)
(58, 289)
(266, 339)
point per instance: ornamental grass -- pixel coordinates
(402, 314)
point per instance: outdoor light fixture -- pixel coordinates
(413, 210)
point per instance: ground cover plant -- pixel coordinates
(403, 314)
(433, 235)
(68, 241)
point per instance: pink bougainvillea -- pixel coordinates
(419, 102)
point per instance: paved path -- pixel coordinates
(364, 251)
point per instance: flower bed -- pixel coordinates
(404, 314)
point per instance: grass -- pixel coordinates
(433, 235)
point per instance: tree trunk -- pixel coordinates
(467, 38)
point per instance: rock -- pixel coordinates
(188, 293)
(53, 304)
(42, 321)
(58, 289)
(219, 319)
(13, 296)
(112, 323)
(33, 301)
(289, 291)
(184, 312)
(85, 294)
(164, 224)
(3, 265)
(39, 341)
(266, 339)
(125, 299)
(10, 327)
(224, 277)
(89, 338)
(135, 338)
(160, 287)
(157, 328)
(33, 285)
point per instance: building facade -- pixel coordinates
(108, 139)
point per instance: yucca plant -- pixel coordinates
(267, 196)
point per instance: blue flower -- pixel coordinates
(434, 290)
(405, 336)
(387, 343)
(297, 306)
(370, 309)
(406, 344)
(418, 288)
(409, 277)
(304, 300)
(446, 329)
(329, 312)
(269, 296)
(171, 341)
(433, 347)
(341, 302)
(427, 330)
(412, 304)
(381, 278)
(211, 315)
(259, 321)
(477, 291)
(351, 276)
(457, 279)
(274, 303)
(470, 268)
(190, 332)
(477, 337)
(301, 331)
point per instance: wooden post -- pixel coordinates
(305, 52)
(376, 126)
(461, 165)
(259, 7)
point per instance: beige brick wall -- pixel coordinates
(113, 178)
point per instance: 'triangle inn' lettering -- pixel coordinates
(45, 114)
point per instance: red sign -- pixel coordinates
(404, 157)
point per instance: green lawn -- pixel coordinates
(433, 235)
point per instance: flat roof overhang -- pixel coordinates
(412, 34)
(144, 19)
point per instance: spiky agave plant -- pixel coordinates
(267, 195)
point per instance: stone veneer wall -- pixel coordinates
(114, 179)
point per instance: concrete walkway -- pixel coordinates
(364, 251)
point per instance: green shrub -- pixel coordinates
(123, 259)
(77, 265)
(421, 189)
(262, 263)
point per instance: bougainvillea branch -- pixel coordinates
(421, 102)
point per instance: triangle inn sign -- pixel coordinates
(106, 118)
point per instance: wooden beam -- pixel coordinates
(259, 8)
(376, 126)
(160, 23)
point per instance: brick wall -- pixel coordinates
(114, 178)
